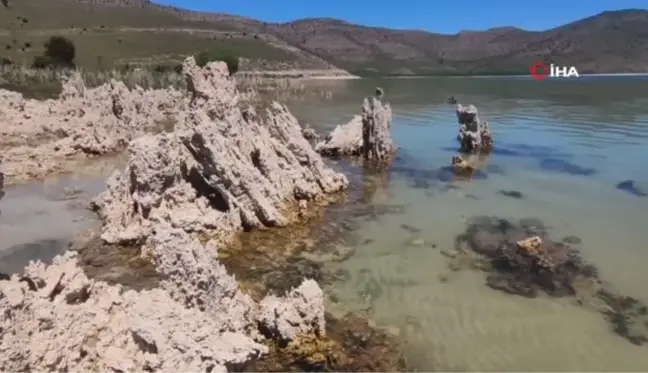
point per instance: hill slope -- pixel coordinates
(608, 42)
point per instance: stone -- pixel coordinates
(223, 170)
(40, 138)
(71, 323)
(309, 133)
(525, 261)
(474, 135)
(367, 135)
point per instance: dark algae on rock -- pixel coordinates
(525, 261)
(350, 345)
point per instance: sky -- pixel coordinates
(444, 16)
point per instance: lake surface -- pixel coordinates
(564, 145)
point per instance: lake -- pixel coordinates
(564, 145)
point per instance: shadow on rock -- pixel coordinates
(525, 261)
(350, 345)
(630, 187)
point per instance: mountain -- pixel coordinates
(609, 42)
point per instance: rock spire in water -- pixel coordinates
(367, 135)
(474, 135)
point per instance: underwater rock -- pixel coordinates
(511, 193)
(560, 165)
(525, 261)
(474, 135)
(67, 322)
(630, 187)
(368, 134)
(350, 345)
(221, 171)
(628, 316)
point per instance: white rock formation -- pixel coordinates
(221, 171)
(474, 134)
(70, 323)
(368, 134)
(300, 311)
(42, 137)
(191, 274)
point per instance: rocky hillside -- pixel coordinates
(615, 41)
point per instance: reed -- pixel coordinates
(37, 82)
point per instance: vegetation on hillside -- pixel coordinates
(108, 33)
(203, 58)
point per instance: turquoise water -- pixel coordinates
(564, 145)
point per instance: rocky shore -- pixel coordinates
(202, 169)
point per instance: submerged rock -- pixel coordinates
(221, 171)
(474, 135)
(525, 261)
(630, 187)
(368, 134)
(513, 194)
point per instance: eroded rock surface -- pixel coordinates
(368, 134)
(38, 138)
(221, 171)
(474, 135)
(67, 322)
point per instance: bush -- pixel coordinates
(60, 51)
(163, 68)
(42, 62)
(204, 58)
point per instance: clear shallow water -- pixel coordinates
(564, 145)
(39, 220)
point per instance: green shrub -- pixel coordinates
(204, 58)
(60, 51)
(42, 62)
(167, 68)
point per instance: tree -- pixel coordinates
(206, 57)
(60, 51)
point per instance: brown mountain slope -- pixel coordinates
(615, 41)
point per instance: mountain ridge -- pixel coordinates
(608, 42)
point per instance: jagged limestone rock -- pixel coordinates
(474, 135)
(377, 144)
(40, 138)
(66, 322)
(221, 171)
(367, 135)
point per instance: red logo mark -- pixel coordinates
(539, 70)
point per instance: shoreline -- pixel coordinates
(172, 231)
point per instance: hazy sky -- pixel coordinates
(446, 16)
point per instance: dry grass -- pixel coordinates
(43, 83)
